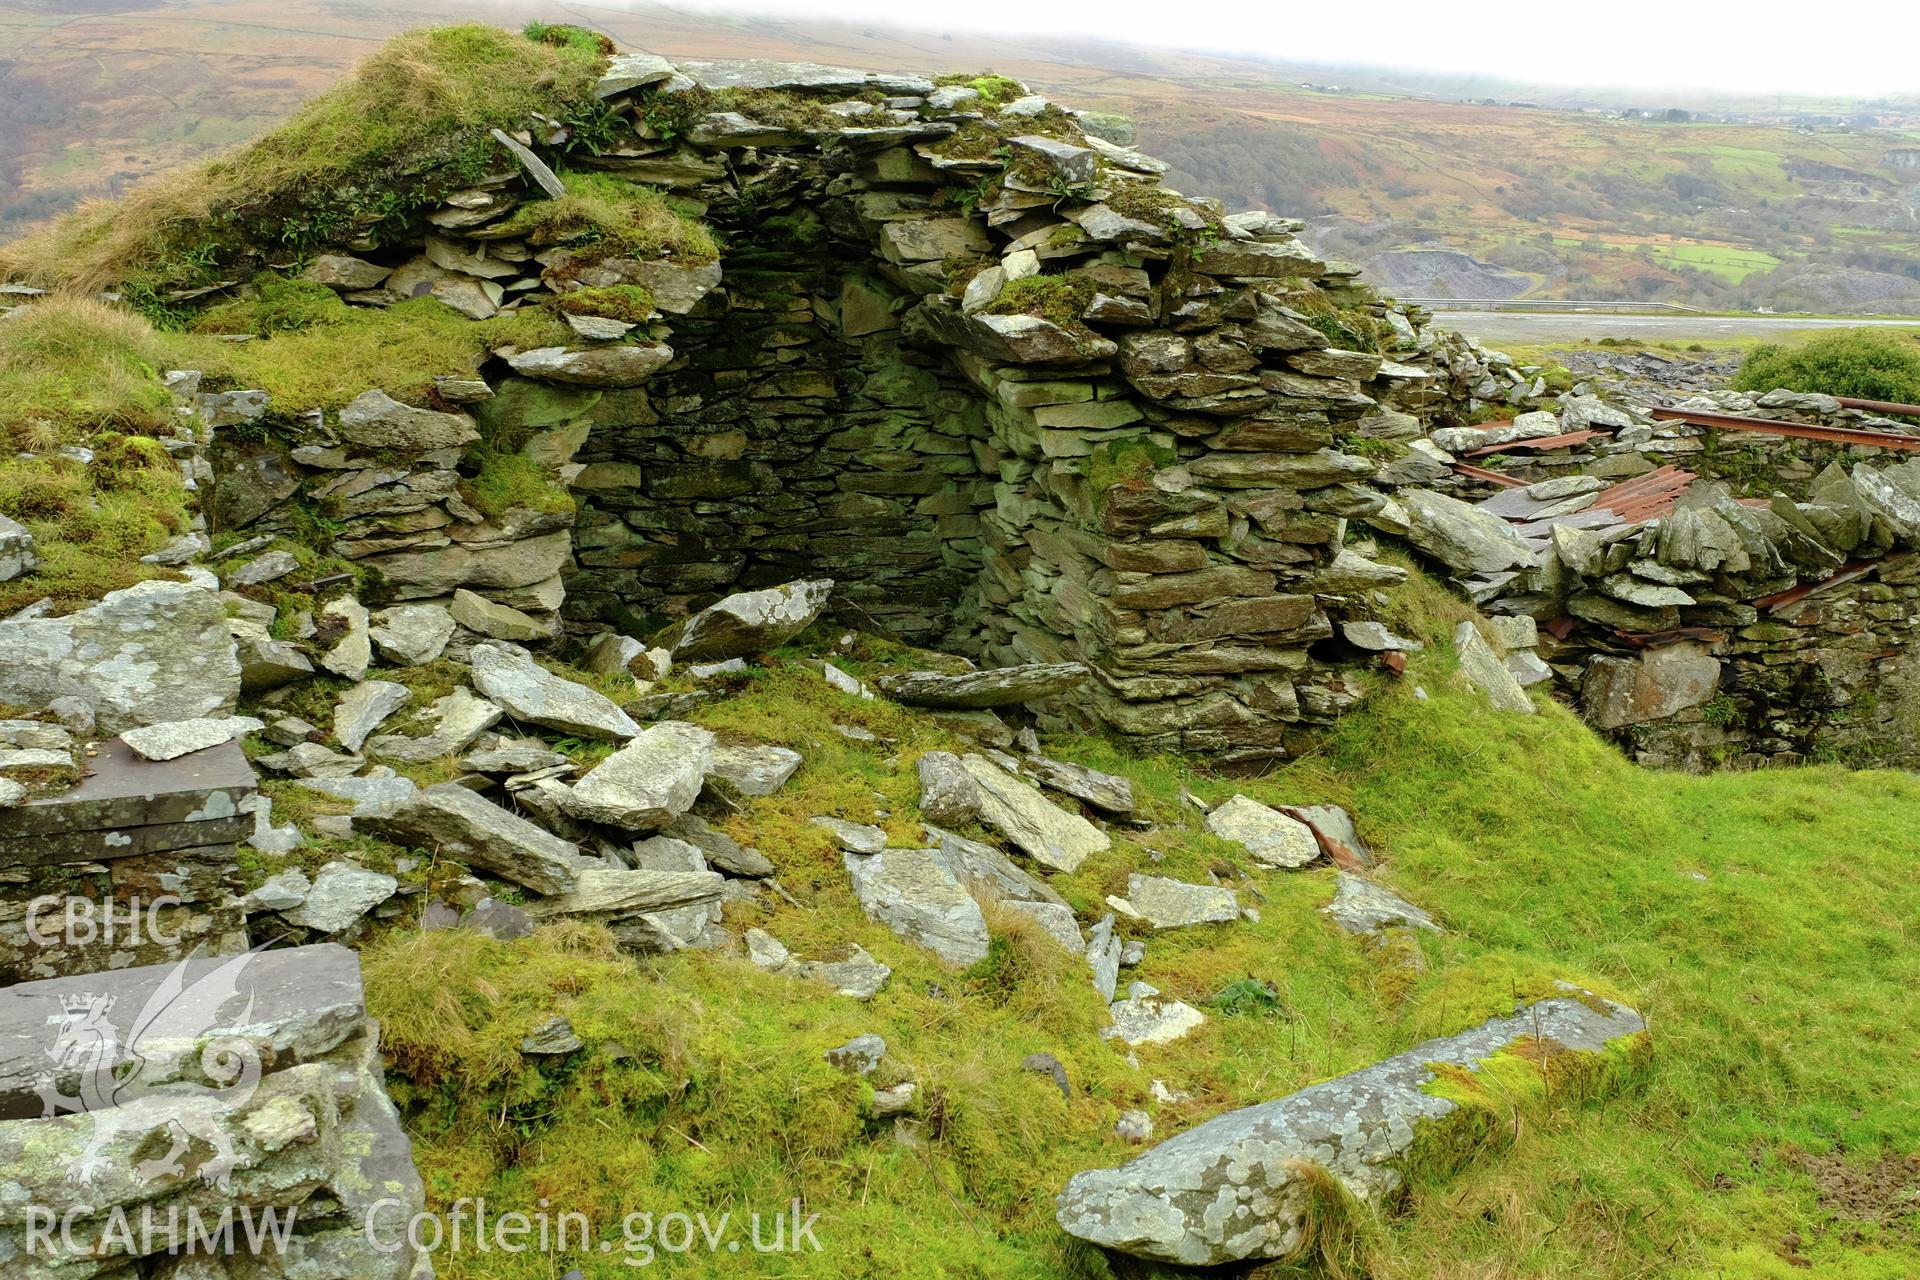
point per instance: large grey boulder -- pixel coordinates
(628, 71)
(1104, 949)
(857, 974)
(265, 663)
(352, 653)
(18, 553)
(183, 737)
(983, 867)
(912, 892)
(1893, 494)
(607, 893)
(997, 687)
(977, 788)
(1270, 837)
(752, 622)
(1486, 672)
(1107, 792)
(621, 366)
(362, 708)
(457, 720)
(510, 677)
(720, 849)
(153, 652)
(1244, 1185)
(375, 420)
(647, 783)
(412, 634)
(1463, 537)
(1652, 685)
(754, 771)
(449, 819)
(1151, 1018)
(948, 793)
(340, 897)
(1363, 907)
(1174, 904)
(511, 565)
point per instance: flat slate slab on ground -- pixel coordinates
(197, 798)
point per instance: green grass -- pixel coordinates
(607, 217)
(74, 372)
(1732, 264)
(410, 123)
(329, 361)
(70, 366)
(1763, 922)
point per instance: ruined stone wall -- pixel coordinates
(797, 436)
(1829, 677)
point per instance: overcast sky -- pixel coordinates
(1853, 47)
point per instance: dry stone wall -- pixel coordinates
(968, 359)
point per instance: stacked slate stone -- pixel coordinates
(176, 1098)
(135, 865)
(386, 476)
(968, 358)
(1709, 629)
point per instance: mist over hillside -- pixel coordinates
(1438, 185)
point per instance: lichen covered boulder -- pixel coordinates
(1244, 1185)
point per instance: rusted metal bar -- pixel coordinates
(1491, 477)
(1880, 406)
(1794, 595)
(1801, 430)
(1661, 639)
(1534, 445)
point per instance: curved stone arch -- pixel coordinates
(1132, 461)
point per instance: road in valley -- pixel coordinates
(1565, 326)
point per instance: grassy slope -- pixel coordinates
(357, 158)
(1762, 921)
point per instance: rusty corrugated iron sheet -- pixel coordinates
(1794, 595)
(1646, 497)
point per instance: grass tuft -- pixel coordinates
(410, 123)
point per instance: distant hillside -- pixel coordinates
(1554, 202)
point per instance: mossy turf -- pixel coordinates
(1762, 921)
(409, 124)
(76, 374)
(72, 366)
(608, 217)
(335, 356)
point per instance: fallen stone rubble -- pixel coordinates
(1243, 1186)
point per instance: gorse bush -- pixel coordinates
(1852, 362)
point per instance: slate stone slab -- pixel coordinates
(187, 901)
(122, 842)
(998, 687)
(124, 791)
(306, 1002)
(1241, 1186)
